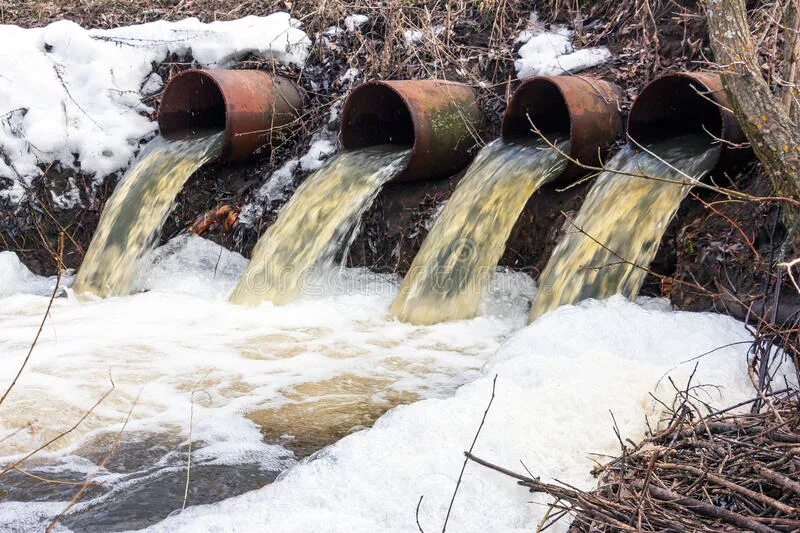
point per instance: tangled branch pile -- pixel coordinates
(727, 472)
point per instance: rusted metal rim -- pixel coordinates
(438, 119)
(682, 103)
(250, 105)
(582, 108)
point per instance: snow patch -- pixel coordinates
(412, 37)
(355, 22)
(319, 151)
(76, 97)
(551, 52)
(350, 76)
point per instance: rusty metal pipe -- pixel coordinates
(438, 119)
(682, 103)
(248, 104)
(583, 108)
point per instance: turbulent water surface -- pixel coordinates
(251, 390)
(316, 225)
(136, 211)
(275, 417)
(453, 267)
(615, 236)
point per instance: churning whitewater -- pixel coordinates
(251, 393)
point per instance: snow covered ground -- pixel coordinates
(80, 97)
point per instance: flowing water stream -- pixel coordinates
(315, 225)
(172, 396)
(458, 257)
(134, 214)
(615, 236)
(251, 391)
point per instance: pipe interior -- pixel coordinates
(539, 102)
(672, 106)
(375, 114)
(192, 102)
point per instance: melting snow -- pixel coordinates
(551, 52)
(355, 22)
(79, 97)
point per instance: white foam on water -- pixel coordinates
(558, 381)
(21, 517)
(182, 335)
(16, 278)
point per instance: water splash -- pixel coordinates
(261, 387)
(616, 234)
(134, 214)
(459, 255)
(316, 224)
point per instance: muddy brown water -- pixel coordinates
(453, 267)
(134, 214)
(611, 242)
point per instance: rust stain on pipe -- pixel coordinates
(250, 105)
(585, 108)
(687, 102)
(438, 119)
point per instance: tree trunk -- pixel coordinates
(769, 125)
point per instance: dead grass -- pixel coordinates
(112, 13)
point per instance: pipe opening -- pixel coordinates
(192, 102)
(675, 105)
(376, 114)
(538, 101)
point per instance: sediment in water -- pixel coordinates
(132, 219)
(453, 267)
(609, 245)
(316, 225)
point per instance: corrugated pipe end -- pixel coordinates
(582, 108)
(683, 103)
(438, 119)
(250, 105)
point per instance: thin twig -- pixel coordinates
(464, 466)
